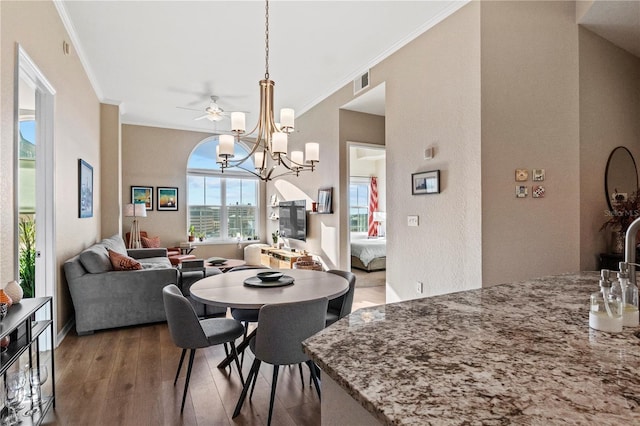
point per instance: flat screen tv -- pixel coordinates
(293, 219)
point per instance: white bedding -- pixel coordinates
(367, 249)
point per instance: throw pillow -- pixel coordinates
(121, 262)
(152, 242)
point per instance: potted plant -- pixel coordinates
(624, 212)
(274, 236)
(192, 233)
(201, 236)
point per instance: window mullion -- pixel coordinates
(224, 226)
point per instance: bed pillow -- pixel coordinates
(121, 262)
(150, 242)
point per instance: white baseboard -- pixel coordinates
(65, 330)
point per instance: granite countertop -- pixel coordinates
(518, 353)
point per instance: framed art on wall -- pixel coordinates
(325, 200)
(85, 189)
(425, 182)
(142, 194)
(167, 198)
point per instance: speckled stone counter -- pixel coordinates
(519, 353)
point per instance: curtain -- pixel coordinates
(373, 206)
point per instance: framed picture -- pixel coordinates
(142, 194)
(425, 182)
(85, 189)
(325, 198)
(522, 175)
(167, 198)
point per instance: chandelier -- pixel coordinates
(269, 148)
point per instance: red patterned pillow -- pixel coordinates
(153, 242)
(120, 262)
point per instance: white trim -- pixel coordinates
(45, 174)
(348, 79)
(65, 330)
(75, 41)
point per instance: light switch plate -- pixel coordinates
(412, 220)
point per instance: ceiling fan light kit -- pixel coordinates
(271, 138)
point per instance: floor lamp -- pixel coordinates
(135, 211)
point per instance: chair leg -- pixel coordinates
(184, 351)
(234, 351)
(301, 375)
(186, 384)
(253, 372)
(244, 338)
(253, 385)
(226, 354)
(314, 376)
(273, 392)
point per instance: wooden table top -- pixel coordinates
(229, 289)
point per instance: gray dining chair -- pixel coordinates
(278, 341)
(189, 332)
(341, 306)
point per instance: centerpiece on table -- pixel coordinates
(623, 213)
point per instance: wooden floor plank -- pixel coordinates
(125, 377)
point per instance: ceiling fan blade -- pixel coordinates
(201, 117)
(189, 109)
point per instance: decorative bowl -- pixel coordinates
(269, 276)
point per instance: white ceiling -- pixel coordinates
(152, 57)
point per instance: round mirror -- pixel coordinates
(620, 176)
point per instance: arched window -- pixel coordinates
(222, 206)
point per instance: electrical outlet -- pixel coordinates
(412, 220)
(420, 287)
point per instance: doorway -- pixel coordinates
(367, 213)
(34, 179)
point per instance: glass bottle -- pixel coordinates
(628, 294)
(605, 313)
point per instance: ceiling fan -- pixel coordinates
(213, 112)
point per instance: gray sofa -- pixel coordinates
(104, 298)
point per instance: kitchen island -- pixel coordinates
(520, 353)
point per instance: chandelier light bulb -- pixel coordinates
(297, 157)
(287, 118)
(312, 150)
(279, 143)
(226, 145)
(259, 160)
(238, 122)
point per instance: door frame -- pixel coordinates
(45, 174)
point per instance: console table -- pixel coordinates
(29, 328)
(278, 258)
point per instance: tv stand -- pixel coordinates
(278, 258)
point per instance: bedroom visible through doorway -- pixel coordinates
(367, 213)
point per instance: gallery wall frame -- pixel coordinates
(167, 198)
(325, 200)
(142, 194)
(425, 182)
(85, 189)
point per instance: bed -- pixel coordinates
(369, 254)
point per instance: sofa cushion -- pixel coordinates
(115, 243)
(155, 263)
(122, 262)
(150, 242)
(95, 259)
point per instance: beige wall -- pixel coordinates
(153, 156)
(110, 163)
(37, 27)
(443, 66)
(530, 119)
(609, 117)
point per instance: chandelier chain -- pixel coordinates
(266, 41)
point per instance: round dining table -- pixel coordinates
(229, 290)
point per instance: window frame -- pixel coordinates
(359, 180)
(224, 238)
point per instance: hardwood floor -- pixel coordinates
(125, 377)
